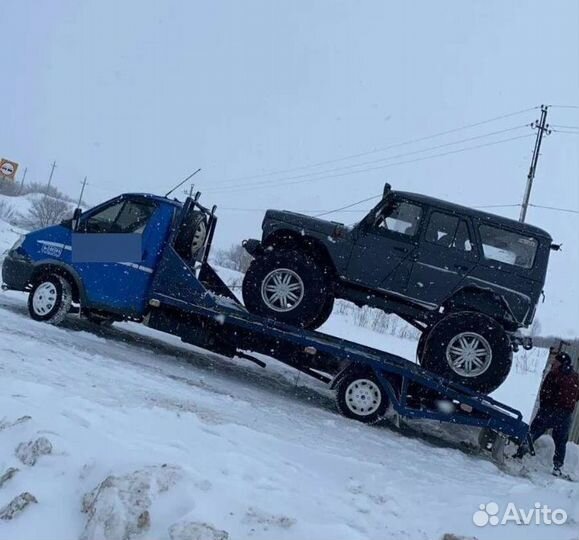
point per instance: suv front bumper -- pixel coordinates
(16, 271)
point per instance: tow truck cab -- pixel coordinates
(104, 281)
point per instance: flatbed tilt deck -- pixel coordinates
(188, 299)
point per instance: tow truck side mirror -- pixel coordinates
(76, 218)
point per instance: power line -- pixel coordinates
(555, 208)
(380, 160)
(346, 209)
(348, 206)
(563, 127)
(565, 131)
(468, 148)
(498, 206)
(377, 150)
(564, 106)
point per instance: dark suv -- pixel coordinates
(468, 280)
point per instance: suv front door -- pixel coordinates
(445, 256)
(382, 253)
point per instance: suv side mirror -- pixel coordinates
(387, 190)
(76, 218)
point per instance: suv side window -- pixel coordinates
(121, 217)
(401, 217)
(448, 231)
(508, 247)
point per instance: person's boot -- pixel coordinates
(557, 471)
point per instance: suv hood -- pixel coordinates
(307, 223)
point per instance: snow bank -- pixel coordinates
(260, 453)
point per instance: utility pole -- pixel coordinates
(50, 176)
(190, 192)
(542, 127)
(22, 181)
(81, 193)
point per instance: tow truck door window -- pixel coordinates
(120, 217)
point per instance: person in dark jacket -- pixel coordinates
(557, 400)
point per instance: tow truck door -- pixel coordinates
(124, 286)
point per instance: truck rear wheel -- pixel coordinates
(469, 348)
(50, 299)
(288, 286)
(361, 397)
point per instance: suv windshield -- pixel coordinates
(508, 247)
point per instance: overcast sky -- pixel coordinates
(137, 94)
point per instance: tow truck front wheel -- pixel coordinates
(361, 397)
(50, 299)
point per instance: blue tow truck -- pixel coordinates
(144, 258)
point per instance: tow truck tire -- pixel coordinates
(360, 396)
(288, 286)
(470, 348)
(50, 299)
(191, 237)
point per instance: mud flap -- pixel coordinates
(494, 443)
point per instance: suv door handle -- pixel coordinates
(461, 267)
(401, 249)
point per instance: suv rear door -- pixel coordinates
(381, 255)
(511, 266)
(445, 256)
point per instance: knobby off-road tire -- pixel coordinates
(469, 348)
(50, 299)
(288, 286)
(325, 313)
(360, 396)
(192, 235)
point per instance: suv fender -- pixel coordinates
(284, 239)
(485, 301)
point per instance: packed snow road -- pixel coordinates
(261, 453)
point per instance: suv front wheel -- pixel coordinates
(469, 348)
(288, 286)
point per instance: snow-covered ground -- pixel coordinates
(259, 453)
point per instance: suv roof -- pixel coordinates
(524, 228)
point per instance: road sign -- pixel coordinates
(8, 169)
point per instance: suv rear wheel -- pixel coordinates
(288, 286)
(469, 348)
